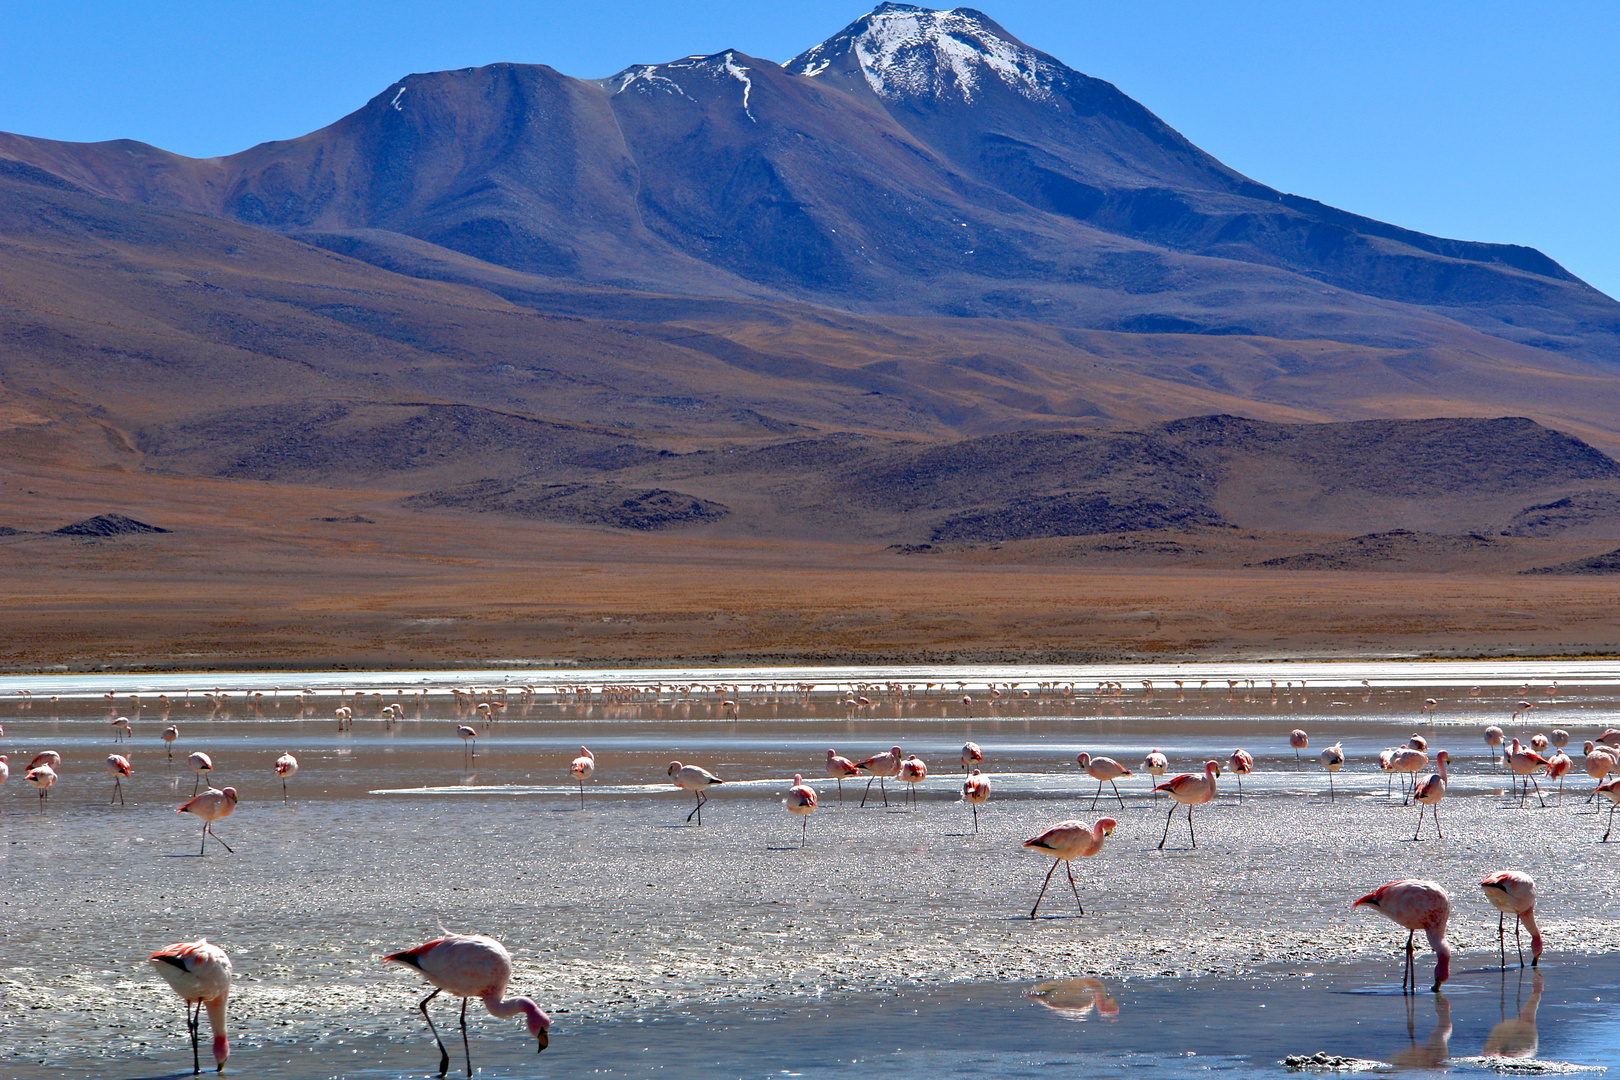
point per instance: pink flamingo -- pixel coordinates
(1299, 741)
(1103, 769)
(1386, 762)
(1417, 742)
(1513, 891)
(1524, 707)
(1493, 739)
(170, 734)
(1407, 762)
(976, 790)
(1066, 841)
(1242, 763)
(1539, 743)
(471, 966)
(1417, 905)
(5, 769)
(469, 739)
(42, 777)
(1189, 790)
(118, 767)
(286, 765)
(200, 763)
(1610, 738)
(1429, 791)
(971, 755)
(838, 768)
(879, 766)
(697, 781)
(1526, 763)
(1155, 764)
(121, 729)
(1610, 791)
(1599, 763)
(581, 769)
(1557, 765)
(211, 805)
(201, 974)
(1560, 738)
(1332, 761)
(913, 771)
(47, 757)
(801, 800)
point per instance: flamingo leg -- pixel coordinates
(209, 829)
(444, 1055)
(1539, 797)
(1190, 831)
(1069, 869)
(1420, 822)
(698, 809)
(1501, 937)
(1044, 884)
(1410, 978)
(840, 791)
(1610, 829)
(1518, 940)
(1167, 818)
(193, 1018)
(868, 791)
(465, 1049)
(1097, 796)
(1437, 821)
(885, 789)
(1117, 795)
(804, 830)
(975, 807)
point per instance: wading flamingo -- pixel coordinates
(47, 757)
(1333, 760)
(200, 763)
(1155, 764)
(469, 740)
(913, 770)
(879, 766)
(581, 769)
(696, 780)
(1407, 762)
(1103, 769)
(286, 765)
(1513, 892)
(801, 800)
(1064, 842)
(1429, 791)
(211, 805)
(1189, 790)
(838, 768)
(122, 729)
(1299, 741)
(201, 974)
(1525, 764)
(42, 777)
(1610, 791)
(1599, 763)
(471, 966)
(1242, 763)
(170, 734)
(976, 790)
(1417, 905)
(1417, 742)
(1493, 739)
(5, 769)
(1560, 738)
(971, 755)
(118, 767)
(1557, 765)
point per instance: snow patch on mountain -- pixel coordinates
(645, 77)
(665, 77)
(911, 52)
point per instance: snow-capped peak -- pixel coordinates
(911, 52)
(666, 78)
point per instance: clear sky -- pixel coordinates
(1484, 120)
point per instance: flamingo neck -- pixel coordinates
(1442, 953)
(533, 1015)
(1528, 918)
(216, 1021)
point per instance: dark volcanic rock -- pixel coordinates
(1607, 563)
(1585, 511)
(108, 525)
(1074, 515)
(619, 507)
(1382, 551)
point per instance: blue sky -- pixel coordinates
(1483, 120)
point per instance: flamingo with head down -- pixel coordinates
(1189, 790)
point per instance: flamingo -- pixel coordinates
(975, 790)
(1514, 891)
(1493, 739)
(1524, 707)
(693, 779)
(469, 739)
(1332, 761)
(1430, 790)
(1408, 763)
(1525, 763)
(122, 729)
(170, 734)
(913, 770)
(5, 769)
(1417, 742)
(118, 767)
(1560, 738)
(1417, 905)
(971, 755)
(1299, 741)
(201, 974)
(879, 766)
(1610, 791)
(211, 805)
(1066, 841)
(801, 800)
(839, 767)
(1189, 790)
(1429, 705)
(1557, 765)
(1103, 769)
(1242, 763)
(47, 757)
(42, 777)
(1610, 738)
(1599, 763)
(200, 763)
(286, 765)
(1386, 762)
(1155, 764)
(582, 768)
(471, 966)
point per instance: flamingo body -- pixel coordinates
(471, 966)
(1512, 892)
(697, 781)
(211, 805)
(201, 974)
(1416, 904)
(1189, 790)
(1065, 842)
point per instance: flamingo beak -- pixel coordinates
(545, 1041)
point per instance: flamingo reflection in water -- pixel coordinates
(1433, 1052)
(1516, 1037)
(1074, 999)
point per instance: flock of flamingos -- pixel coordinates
(474, 966)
